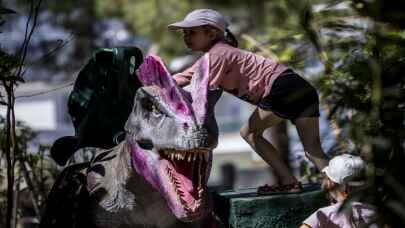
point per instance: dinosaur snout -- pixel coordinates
(199, 139)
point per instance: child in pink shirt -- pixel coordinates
(344, 175)
(277, 91)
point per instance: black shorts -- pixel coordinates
(291, 97)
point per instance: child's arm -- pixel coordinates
(184, 78)
(217, 67)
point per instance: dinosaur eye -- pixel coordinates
(156, 112)
(150, 107)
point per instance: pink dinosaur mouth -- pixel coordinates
(180, 177)
(188, 175)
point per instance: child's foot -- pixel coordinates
(268, 189)
(296, 186)
(319, 162)
(287, 188)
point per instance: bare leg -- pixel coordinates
(308, 131)
(252, 132)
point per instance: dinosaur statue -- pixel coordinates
(157, 177)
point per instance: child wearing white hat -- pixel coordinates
(344, 174)
(276, 90)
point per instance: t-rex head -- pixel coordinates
(172, 133)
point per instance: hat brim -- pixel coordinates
(184, 24)
(326, 170)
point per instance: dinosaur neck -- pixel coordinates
(115, 169)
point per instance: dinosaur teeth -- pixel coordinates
(189, 156)
(180, 194)
(200, 192)
(197, 203)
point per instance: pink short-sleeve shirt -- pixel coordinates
(241, 73)
(331, 217)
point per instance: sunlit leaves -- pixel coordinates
(365, 90)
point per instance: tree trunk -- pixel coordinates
(10, 154)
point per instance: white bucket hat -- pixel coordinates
(345, 169)
(201, 17)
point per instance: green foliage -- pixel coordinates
(8, 63)
(389, 11)
(284, 33)
(28, 173)
(35, 172)
(149, 19)
(363, 84)
(360, 84)
(364, 89)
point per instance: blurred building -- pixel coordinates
(43, 107)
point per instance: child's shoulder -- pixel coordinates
(331, 210)
(223, 50)
(222, 47)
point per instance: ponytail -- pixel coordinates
(226, 35)
(230, 38)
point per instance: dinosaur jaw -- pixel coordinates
(188, 173)
(180, 177)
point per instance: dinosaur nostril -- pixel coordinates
(185, 126)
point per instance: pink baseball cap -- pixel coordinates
(346, 169)
(201, 17)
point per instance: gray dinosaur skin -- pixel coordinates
(129, 184)
(132, 204)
